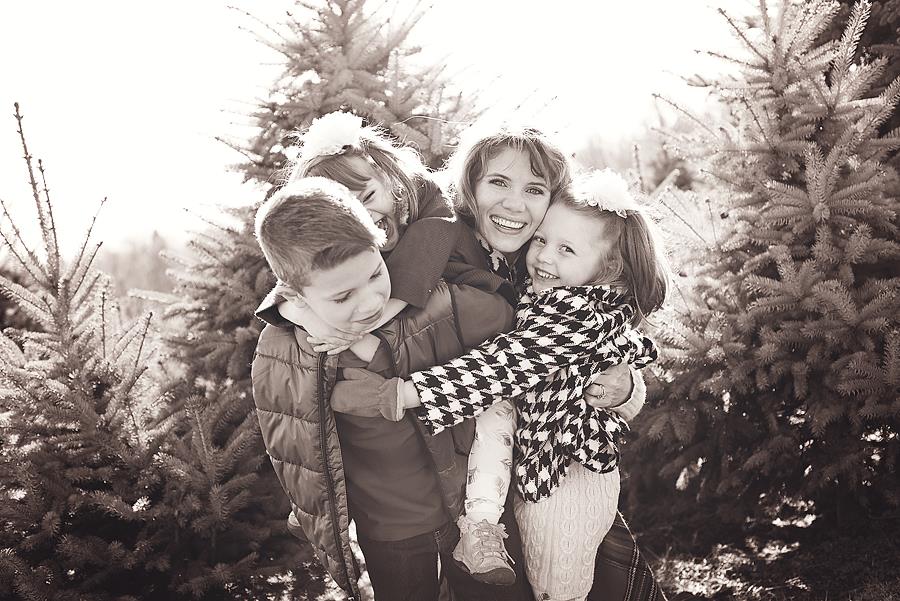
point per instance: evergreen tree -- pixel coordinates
(352, 55)
(79, 485)
(881, 38)
(780, 381)
(343, 55)
(105, 491)
(10, 314)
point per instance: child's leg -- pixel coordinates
(490, 463)
(561, 534)
(480, 549)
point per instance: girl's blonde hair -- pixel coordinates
(401, 165)
(637, 260)
(469, 162)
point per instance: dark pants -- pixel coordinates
(407, 570)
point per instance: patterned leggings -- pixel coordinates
(490, 463)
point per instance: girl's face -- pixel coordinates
(378, 198)
(568, 249)
(511, 200)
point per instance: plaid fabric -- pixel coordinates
(621, 573)
(562, 337)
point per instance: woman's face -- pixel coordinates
(378, 199)
(511, 200)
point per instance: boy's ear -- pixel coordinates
(290, 294)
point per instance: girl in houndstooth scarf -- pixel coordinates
(596, 271)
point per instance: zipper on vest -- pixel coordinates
(323, 434)
(419, 429)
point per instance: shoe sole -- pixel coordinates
(496, 577)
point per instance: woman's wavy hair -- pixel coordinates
(477, 146)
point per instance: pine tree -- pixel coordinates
(78, 478)
(881, 38)
(342, 55)
(353, 55)
(781, 377)
(10, 314)
(109, 490)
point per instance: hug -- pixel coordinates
(425, 350)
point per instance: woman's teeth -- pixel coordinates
(507, 223)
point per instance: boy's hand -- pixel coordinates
(610, 388)
(370, 395)
(323, 337)
(331, 345)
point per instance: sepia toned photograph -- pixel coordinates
(405, 300)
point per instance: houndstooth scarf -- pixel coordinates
(563, 336)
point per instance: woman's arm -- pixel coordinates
(620, 389)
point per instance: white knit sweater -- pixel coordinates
(561, 534)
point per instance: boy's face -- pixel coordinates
(350, 296)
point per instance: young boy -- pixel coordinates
(403, 488)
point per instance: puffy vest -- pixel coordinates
(292, 387)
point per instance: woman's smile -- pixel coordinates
(511, 200)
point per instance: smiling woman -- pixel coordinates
(512, 197)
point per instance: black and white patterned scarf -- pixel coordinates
(563, 336)
(499, 263)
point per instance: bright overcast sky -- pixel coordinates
(123, 99)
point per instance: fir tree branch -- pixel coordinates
(53, 259)
(49, 204)
(848, 43)
(750, 45)
(686, 113)
(731, 59)
(87, 237)
(684, 221)
(103, 296)
(19, 241)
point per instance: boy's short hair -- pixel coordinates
(313, 223)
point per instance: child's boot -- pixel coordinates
(482, 553)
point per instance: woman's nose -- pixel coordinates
(513, 201)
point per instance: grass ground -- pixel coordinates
(794, 563)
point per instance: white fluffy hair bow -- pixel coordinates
(606, 190)
(330, 134)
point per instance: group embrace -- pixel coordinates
(424, 349)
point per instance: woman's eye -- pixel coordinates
(567, 249)
(538, 191)
(498, 182)
(538, 240)
(342, 300)
(375, 276)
